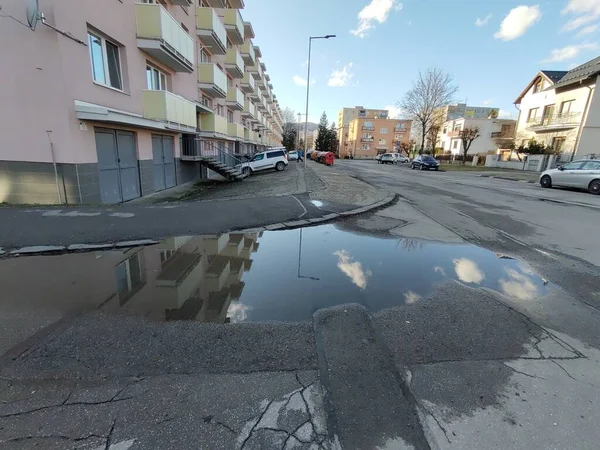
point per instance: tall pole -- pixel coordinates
(307, 94)
(298, 133)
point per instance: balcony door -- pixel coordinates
(548, 113)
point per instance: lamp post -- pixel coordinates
(310, 39)
(298, 133)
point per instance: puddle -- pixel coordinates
(279, 276)
(317, 203)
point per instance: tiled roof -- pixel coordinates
(555, 75)
(583, 72)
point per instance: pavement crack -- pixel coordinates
(523, 373)
(254, 426)
(110, 435)
(293, 433)
(41, 408)
(441, 427)
(300, 382)
(564, 370)
(227, 427)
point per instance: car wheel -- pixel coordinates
(594, 187)
(422, 167)
(246, 171)
(280, 166)
(546, 181)
(412, 167)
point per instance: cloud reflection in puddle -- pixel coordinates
(353, 269)
(519, 285)
(468, 271)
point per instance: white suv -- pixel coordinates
(276, 158)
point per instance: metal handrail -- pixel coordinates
(200, 148)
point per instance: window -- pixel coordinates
(204, 56)
(156, 80)
(220, 110)
(573, 166)
(275, 154)
(398, 137)
(383, 131)
(366, 147)
(106, 63)
(455, 144)
(566, 107)
(382, 142)
(229, 116)
(591, 165)
(539, 85)
(206, 101)
(533, 113)
(259, 157)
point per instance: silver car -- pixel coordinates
(583, 174)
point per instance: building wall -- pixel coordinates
(462, 110)
(450, 140)
(590, 133)
(383, 138)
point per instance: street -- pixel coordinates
(463, 315)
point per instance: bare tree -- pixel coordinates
(290, 129)
(431, 91)
(468, 135)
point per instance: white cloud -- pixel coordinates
(481, 22)
(468, 271)
(587, 30)
(410, 297)
(302, 81)
(568, 52)
(375, 12)
(488, 101)
(341, 78)
(238, 312)
(394, 111)
(353, 269)
(518, 21)
(586, 11)
(518, 285)
(503, 114)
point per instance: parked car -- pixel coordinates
(293, 156)
(425, 162)
(378, 157)
(402, 159)
(271, 159)
(388, 158)
(582, 174)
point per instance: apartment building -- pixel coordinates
(346, 115)
(492, 133)
(107, 101)
(366, 138)
(463, 111)
(562, 110)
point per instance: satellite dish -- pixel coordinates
(33, 13)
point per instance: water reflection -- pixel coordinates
(233, 277)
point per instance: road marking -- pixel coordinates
(300, 203)
(123, 215)
(59, 213)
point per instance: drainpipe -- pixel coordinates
(583, 118)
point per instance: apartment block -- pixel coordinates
(463, 111)
(492, 133)
(108, 101)
(561, 109)
(366, 138)
(346, 115)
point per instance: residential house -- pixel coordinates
(492, 132)
(108, 101)
(346, 115)
(369, 137)
(562, 110)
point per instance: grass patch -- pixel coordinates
(466, 168)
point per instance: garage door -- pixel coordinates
(163, 162)
(117, 165)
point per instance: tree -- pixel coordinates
(322, 144)
(290, 129)
(433, 136)
(334, 143)
(404, 148)
(431, 91)
(468, 135)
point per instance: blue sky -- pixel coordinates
(493, 48)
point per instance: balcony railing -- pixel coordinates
(368, 128)
(454, 134)
(248, 53)
(234, 64)
(213, 123)
(248, 85)
(176, 111)
(555, 122)
(162, 37)
(234, 25)
(235, 130)
(200, 149)
(366, 140)
(235, 98)
(212, 80)
(211, 31)
(249, 109)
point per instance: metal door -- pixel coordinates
(117, 165)
(163, 161)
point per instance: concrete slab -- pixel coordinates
(37, 249)
(296, 223)
(75, 247)
(275, 226)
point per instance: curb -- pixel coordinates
(507, 178)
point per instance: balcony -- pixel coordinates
(235, 130)
(161, 36)
(182, 2)
(248, 53)
(366, 140)
(235, 98)
(559, 121)
(248, 85)
(211, 31)
(165, 106)
(249, 110)
(261, 83)
(234, 25)
(213, 124)
(368, 128)
(454, 134)
(234, 64)
(212, 80)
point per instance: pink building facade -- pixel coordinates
(96, 108)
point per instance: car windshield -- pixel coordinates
(429, 159)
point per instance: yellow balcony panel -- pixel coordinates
(234, 25)
(261, 83)
(234, 64)
(161, 36)
(211, 31)
(213, 124)
(212, 80)
(257, 51)
(248, 53)
(248, 84)
(247, 135)
(248, 31)
(237, 4)
(249, 110)
(235, 98)
(165, 106)
(235, 130)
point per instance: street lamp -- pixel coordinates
(310, 39)
(298, 133)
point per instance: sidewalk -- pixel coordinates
(512, 175)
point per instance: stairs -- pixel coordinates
(222, 169)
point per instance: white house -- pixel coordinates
(490, 131)
(562, 110)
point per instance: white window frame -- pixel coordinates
(162, 78)
(107, 80)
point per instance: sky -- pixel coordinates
(493, 48)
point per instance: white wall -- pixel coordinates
(589, 142)
(482, 144)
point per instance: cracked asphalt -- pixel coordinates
(464, 367)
